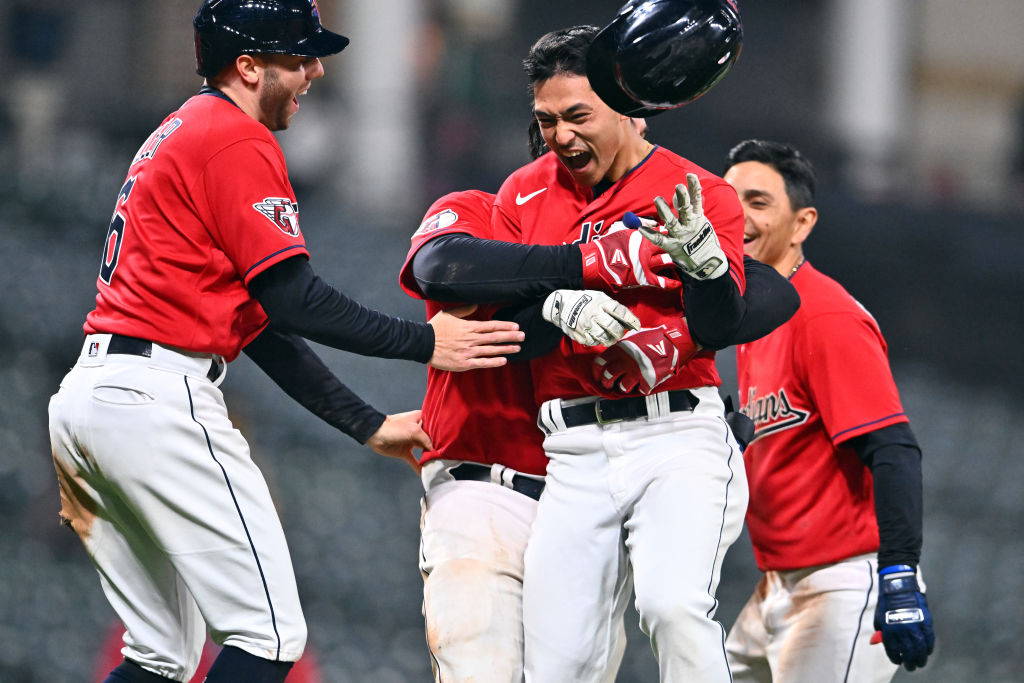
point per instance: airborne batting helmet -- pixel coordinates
(225, 29)
(657, 55)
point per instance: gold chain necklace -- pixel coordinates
(799, 263)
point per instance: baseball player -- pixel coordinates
(481, 492)
(644, 484)
(834, 469)
(204, 258)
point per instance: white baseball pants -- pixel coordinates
(175, 516)
(473, 536)
(811, 626)
(655, 502)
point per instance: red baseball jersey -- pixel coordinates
(206, 207)
(486, 416)
(821, 378)
(541, 204)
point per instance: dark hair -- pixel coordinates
(559, 52)
(796, 171)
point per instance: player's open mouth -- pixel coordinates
(576, 160)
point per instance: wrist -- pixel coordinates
(896, 568)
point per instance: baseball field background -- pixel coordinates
(917, 132)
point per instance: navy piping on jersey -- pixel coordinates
(835, 437)
(270, 256)
(860, 619)
(603, 186)
(210, 90)
(721, 530)
(241, 517)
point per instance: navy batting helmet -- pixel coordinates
(225, 29)
(657, 55)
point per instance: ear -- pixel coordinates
(248, 68)
(805, 221)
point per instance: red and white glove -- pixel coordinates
(623, 259)
(643, 359)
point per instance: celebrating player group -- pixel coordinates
(577, 453)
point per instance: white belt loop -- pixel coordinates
(549, 419)
(222, 370)
(657, 405)
(94, 350)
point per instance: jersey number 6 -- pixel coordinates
(115, 233)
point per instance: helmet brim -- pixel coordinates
(322, 43)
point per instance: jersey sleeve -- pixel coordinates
(467, 212)
(847, 373)
(255, 216)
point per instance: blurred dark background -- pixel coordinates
(911, 111)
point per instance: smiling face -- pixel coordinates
(285, 78)
(592, 141)
(773, 231)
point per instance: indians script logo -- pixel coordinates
(772, 413)
(282, 212)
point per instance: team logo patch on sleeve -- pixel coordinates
(282, 212)
(439, 221)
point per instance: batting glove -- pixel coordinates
(643, 359)
(622, 259)
(588, 317)
(903, 618)
(690, 239)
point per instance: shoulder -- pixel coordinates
(465, 211)
(540, 174)
(219, 124)
(821, 295)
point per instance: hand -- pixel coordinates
(903, 618)
(588, 317)
(399, 434)
(623, 259)
(644, 359)
(470, 344)
(690, 239)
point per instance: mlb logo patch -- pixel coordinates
(94, 349)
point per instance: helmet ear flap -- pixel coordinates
(658, 55)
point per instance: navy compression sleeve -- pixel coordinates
(459, 267)
(298, 301)
(718, 316)
(894, 458)
(294, 366)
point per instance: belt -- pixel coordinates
(133, 346)
(527, 486)
(606, 410)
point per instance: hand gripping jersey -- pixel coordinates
(486, 416)
(541, 204)
(820, 379)
(183, 244)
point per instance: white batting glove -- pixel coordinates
(690, 239)
(588, 317)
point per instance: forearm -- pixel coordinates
(894, 458)
(298, 301)
(296, 368)
(714, 310)
(462, 268)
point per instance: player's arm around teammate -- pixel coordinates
(203, 258)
